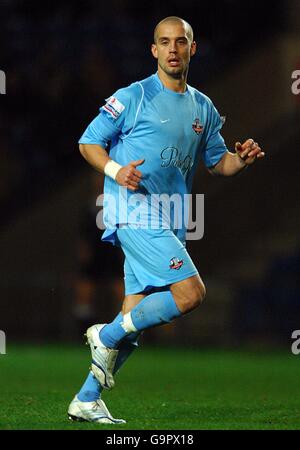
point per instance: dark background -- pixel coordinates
(62, 59)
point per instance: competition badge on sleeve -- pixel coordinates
(113, 107)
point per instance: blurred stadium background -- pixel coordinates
(62, 59)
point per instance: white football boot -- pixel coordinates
(91, 412)
(103, 358)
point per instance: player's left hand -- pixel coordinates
(249, 151)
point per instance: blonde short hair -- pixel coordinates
(175, 19)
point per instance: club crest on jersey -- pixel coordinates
(113, 107)
(175, 263)
(197, 127)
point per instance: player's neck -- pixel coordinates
(176, 85)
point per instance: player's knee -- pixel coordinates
(130, 302)
(197, 295)
(193, 297)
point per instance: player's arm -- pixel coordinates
(98, 158)
(232, 163)
(116, 117)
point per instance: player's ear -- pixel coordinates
(193, 48)
(154, 50)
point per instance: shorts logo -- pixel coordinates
(197, 127)
(113, 107)
(176, 263)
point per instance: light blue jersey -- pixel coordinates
(171, 131)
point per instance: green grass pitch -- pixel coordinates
(156, 389)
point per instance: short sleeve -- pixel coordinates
(117, 117)
(214, 147)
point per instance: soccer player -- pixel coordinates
(157, 129)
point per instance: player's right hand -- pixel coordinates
(129, 176)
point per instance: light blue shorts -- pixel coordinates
(153, 258)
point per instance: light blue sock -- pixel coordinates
(126, 347)
(112, 328)
(154, 309)
(91, 388)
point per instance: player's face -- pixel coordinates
(173, 49)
